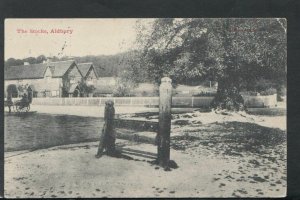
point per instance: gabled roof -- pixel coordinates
(85, 67)
(36, 70)
(61, 67)
(25, 71)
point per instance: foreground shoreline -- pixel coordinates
(72, 170)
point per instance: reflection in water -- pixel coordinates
(31, 131)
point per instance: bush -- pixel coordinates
(263, 85)
(205, 94)
(228, 98)
(269, 91)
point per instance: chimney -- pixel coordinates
(26, 63)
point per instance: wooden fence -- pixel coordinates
(136, 130)
(196, 102)
(124, 101)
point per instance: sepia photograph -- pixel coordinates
(145, 107)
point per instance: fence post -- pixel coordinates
(165, 102)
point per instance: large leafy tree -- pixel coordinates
(234, 52)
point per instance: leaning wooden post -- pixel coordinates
(165, 102)
(107, 138)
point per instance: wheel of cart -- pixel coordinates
(22, 106)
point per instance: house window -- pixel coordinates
(90, 81)
(72, 79)
(54, 93)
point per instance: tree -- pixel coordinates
(30, 60)
(123, 89)
(41, 59)
(233, 52)
(15, 62)
(86, 89)
(129, 73)
(124, 85)
(12, 62)
(12, 90)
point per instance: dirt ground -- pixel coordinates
(218, 154)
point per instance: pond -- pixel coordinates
(35, 131)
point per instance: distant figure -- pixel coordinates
(29, 91)
(108, 138)
(24, 98)
(9, 103)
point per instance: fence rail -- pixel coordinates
(196, 102)
(125, 101)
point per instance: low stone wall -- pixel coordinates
(191, 102)
(260, 101)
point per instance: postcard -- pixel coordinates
(145, 107)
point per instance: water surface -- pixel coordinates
(34, 130)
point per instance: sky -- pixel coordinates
(67, 37)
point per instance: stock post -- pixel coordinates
(165, 104)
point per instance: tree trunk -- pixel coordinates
(228, 96)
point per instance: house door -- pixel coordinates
(76, 93)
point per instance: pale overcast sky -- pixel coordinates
(88, 37)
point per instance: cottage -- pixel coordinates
(49, 79)
(88, 72)
(106, 83)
